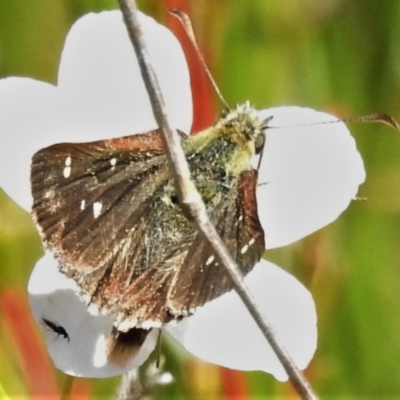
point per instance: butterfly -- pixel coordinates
(109, 212)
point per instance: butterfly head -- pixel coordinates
(245, 126)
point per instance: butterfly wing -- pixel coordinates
(87, 196)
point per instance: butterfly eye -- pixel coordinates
(259, 143)
(56, 328)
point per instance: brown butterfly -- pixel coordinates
(109, 212)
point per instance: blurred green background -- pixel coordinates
(341, 56)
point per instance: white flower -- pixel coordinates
(309, 174)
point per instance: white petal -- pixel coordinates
(29, 114)
(100, 72)
(309, 173)
(223, 332)
(100, 95)
(52, 296)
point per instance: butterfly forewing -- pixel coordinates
(82, 195)
(109, 213)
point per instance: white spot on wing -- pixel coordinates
(83, 204)
(246, 246)
(113, 162)
(97, 206)
(210, 260)
(67, 172)
(67, 169)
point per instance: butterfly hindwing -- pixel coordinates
(236, 221)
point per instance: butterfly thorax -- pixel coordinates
(227, 146)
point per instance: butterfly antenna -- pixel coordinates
(381, 118)
(184, 19)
